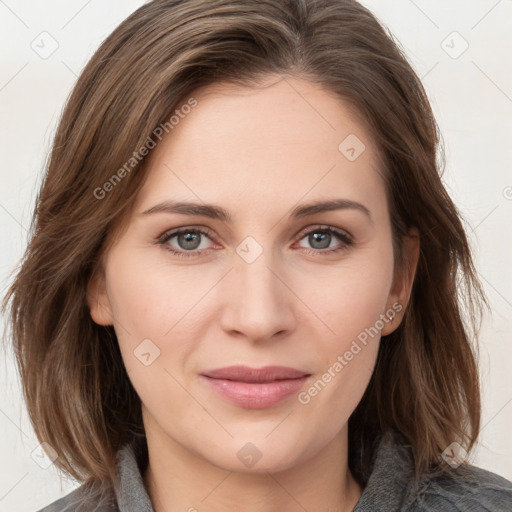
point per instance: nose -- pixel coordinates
(258, 304)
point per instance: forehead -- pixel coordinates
(269, 144)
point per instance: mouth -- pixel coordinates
(255, 388)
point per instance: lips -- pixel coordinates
(255, 388)
(247, 374)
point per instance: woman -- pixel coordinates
(242, 287)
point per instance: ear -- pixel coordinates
(403, 279)
(97, 299)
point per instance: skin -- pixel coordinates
(258, 153)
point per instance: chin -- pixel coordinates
(260, 455)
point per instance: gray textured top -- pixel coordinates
(390, 487)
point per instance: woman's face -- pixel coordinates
(258, 280)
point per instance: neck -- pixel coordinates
(178, 479)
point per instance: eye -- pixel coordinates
(320, 239)
(188, 241)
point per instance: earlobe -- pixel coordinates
(403, 280)
(97, 299)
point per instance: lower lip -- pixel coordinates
(256, 395)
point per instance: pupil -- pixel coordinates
(324, 238)
(188, 240)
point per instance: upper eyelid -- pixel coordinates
(326, 227)
(176, 231)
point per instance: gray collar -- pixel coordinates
(131, 492)
(390, 487)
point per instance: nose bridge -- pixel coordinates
(258, 303)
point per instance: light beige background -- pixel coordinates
(471, 93)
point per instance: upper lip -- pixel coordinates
(248, 374)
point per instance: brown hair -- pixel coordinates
(78, 394)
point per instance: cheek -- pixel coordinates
(352, 308)
(149, 298)
(350, 305)
(159, 321)
(350, 299)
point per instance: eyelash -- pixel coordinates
(345, 238)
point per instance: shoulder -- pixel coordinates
(392, 486)
(127, 492)
(467, 488)
(83, 499)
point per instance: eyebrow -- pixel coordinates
(218, 213)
